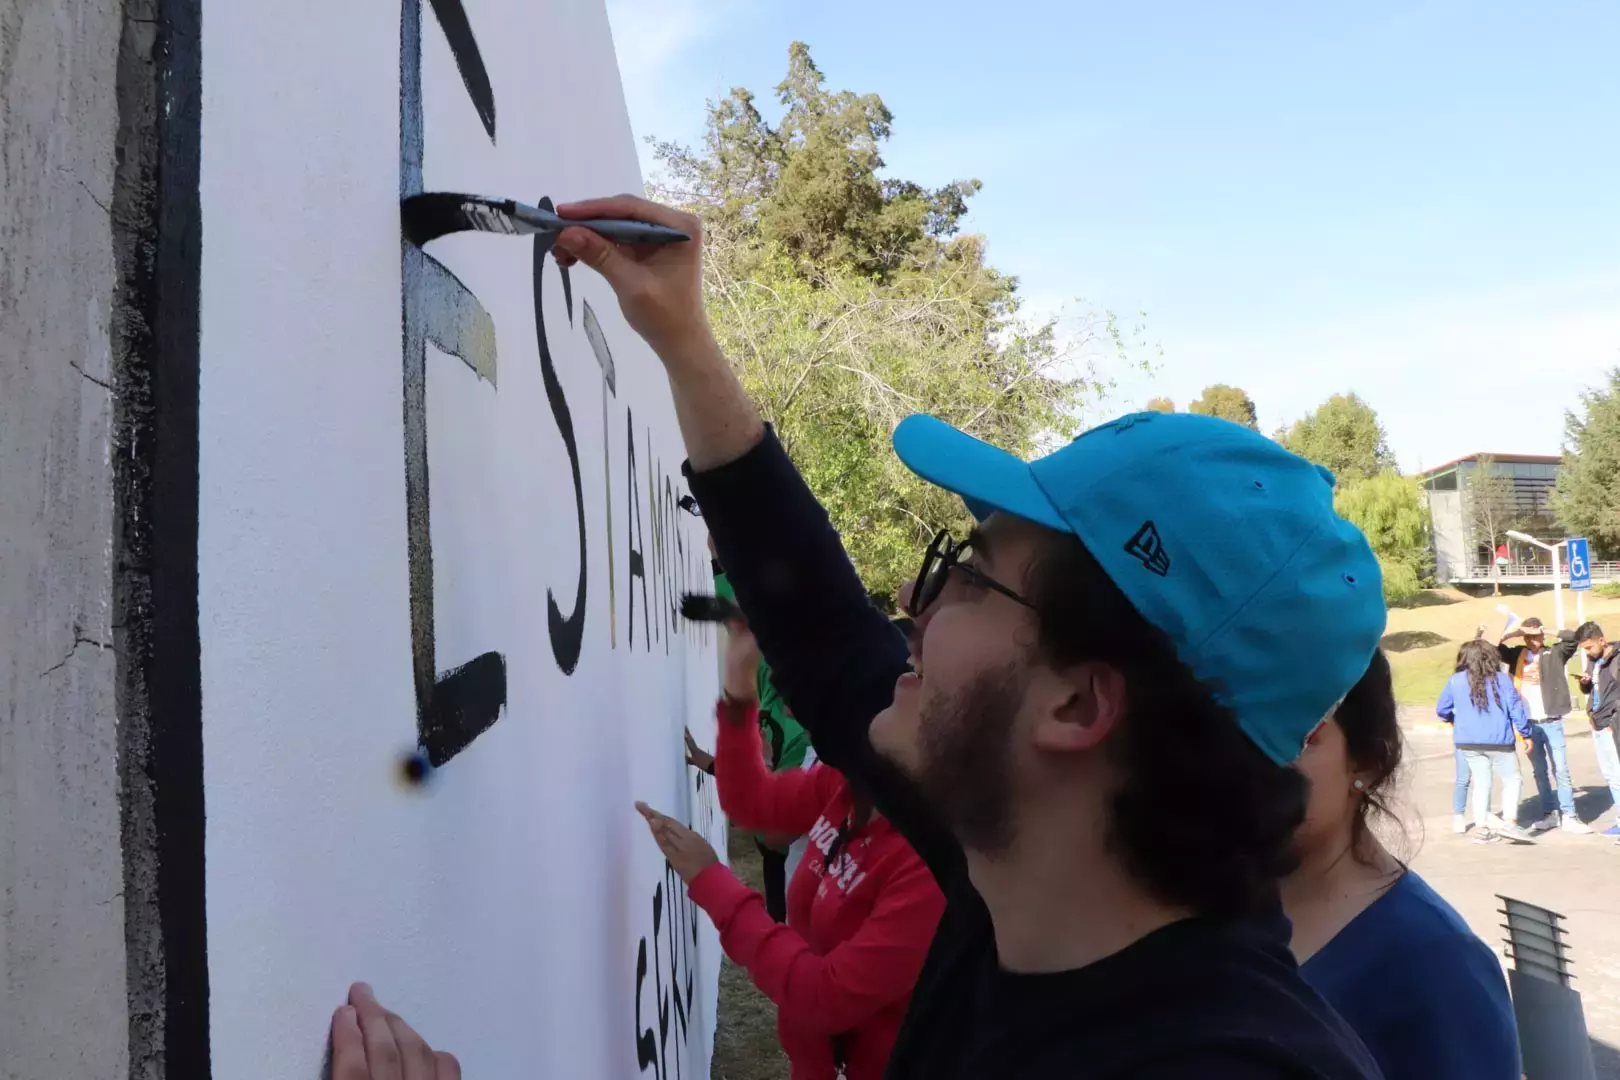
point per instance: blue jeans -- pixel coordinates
(1608, 759)
(1459, 794)
(1547, 740)
(1504, 766)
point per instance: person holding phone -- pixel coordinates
(1601, 684)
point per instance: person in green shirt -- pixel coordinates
(786, 740)
(787, 745)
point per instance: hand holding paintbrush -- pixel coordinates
(659, 286)
(650, 254)
(433, 214)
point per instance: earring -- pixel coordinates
(1359, 785)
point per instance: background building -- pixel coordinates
(1462, 546)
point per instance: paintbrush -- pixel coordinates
(433, 214)
(700, 608)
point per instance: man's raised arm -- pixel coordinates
(833, 657)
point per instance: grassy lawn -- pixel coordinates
(1422, 673)
(1422, 637)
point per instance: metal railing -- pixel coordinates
(1601, 571)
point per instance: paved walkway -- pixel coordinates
(1577, 876)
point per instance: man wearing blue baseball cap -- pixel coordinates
(1091, 740)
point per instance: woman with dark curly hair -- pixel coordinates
(1424, 993)
(1485, 712)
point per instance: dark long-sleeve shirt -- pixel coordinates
(1547, 671)
(1200, 999)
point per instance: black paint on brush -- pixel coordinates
(700, 608)
(428, 215)
(469, 61)
(466, 701)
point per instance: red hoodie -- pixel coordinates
(857, 931)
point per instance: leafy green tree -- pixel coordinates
(1587, 499)
(1160, 404)
(1389, 508)
(1343, 434)
(1228, 403)
(847, 301)
(1490, 506)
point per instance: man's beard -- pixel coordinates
(965, 759)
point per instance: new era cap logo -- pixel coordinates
(1121, 425)
(1149, 549)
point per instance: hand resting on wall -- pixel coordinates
(371, 1043)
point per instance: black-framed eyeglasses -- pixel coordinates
(943, 558)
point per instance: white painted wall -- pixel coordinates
(500, 907)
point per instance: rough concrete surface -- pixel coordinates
(63, 1009)
(1576, 876)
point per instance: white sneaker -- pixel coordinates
(1459, 823)
(1575, 825)
(1511, 830)
(1546, 824)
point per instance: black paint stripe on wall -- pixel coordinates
(453, 707)
(469, 60)
(466, 701)
(157, 241)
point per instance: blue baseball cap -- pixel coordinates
(1218, 536)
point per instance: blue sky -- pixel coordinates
(1417, 201)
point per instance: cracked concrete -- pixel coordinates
(105, 209)
(63, 1001)
(77, 641)
(107, 386)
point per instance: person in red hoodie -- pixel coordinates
(861, 907)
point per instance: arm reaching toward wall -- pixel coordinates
(371, 1043)
(833, 656)
(849, 985)
(786, 803)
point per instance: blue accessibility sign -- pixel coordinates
(1580, 565)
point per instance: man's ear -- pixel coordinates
(1077, 708)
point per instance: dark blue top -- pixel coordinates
(1424, 993)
